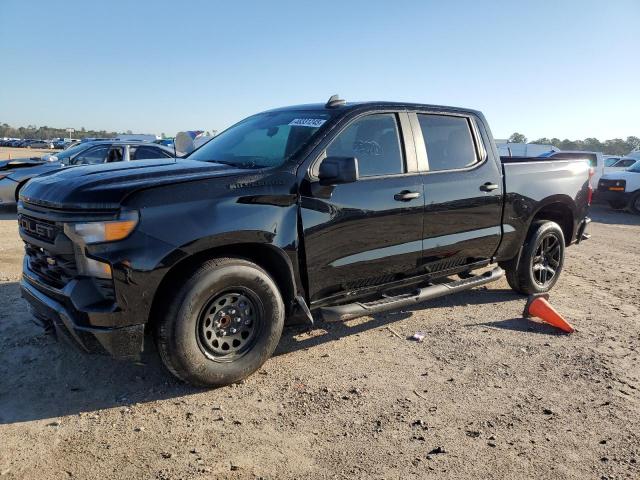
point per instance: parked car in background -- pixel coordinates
(507, 149)
(621, 165)
(39, 144)
(167, 142)
(143, 137)
(609, 160)
(94, 139)
(62, 143)
(596, 161)
(622, 189)
(15, 174)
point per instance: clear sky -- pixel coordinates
(565, 68)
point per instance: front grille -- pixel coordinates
(40, 229)
(54, 270)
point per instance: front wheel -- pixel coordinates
(541, 260)
(223, 324)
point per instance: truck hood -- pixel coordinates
(20, 162)
(104, 187)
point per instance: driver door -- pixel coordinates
(368, 232)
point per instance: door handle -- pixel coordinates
(488, 187)
(406, 196)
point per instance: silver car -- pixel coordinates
(14, 174)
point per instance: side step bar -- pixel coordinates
(341, 313)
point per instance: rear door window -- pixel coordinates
(448, 141)
(146, 152)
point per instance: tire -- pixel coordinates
(189, 335)
(634, 204)
(617, 205)
(533, 272)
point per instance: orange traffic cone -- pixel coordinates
(538, 306)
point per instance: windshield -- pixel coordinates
(635, 168)
(64, 155)
(263, 140)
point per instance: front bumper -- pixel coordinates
(54, 309)
(8, 191)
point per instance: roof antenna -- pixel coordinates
(335, 101)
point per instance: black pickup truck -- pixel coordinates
(324, 211)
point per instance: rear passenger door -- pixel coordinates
(462, 188)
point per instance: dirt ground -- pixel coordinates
(6, 152)
(486, 395)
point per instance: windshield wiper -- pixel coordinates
(236, 164)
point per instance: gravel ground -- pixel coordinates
(486, 395)
(8, 152)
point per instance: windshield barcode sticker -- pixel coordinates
(307, 122)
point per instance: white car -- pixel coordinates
(610, 160)
(622, 189)
(621, 165)
(595, 159)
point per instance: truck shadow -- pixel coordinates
(8, 213)
(521, 325)
(481, 296)
(41, 378)
(604, 214)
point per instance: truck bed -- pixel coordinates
(530, 182)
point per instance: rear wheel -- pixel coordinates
(541, 260)
(617, 204)
(222, 325)
(635, 203)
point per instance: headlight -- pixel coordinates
(98, 232)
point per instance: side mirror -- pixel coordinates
(338, 170)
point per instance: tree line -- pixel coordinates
(47, 133)
(615, 146)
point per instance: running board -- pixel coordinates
(341, 313)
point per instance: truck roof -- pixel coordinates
(349, 106)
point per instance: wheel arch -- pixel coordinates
(558, 210)
(269, 257)
(20, 186)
